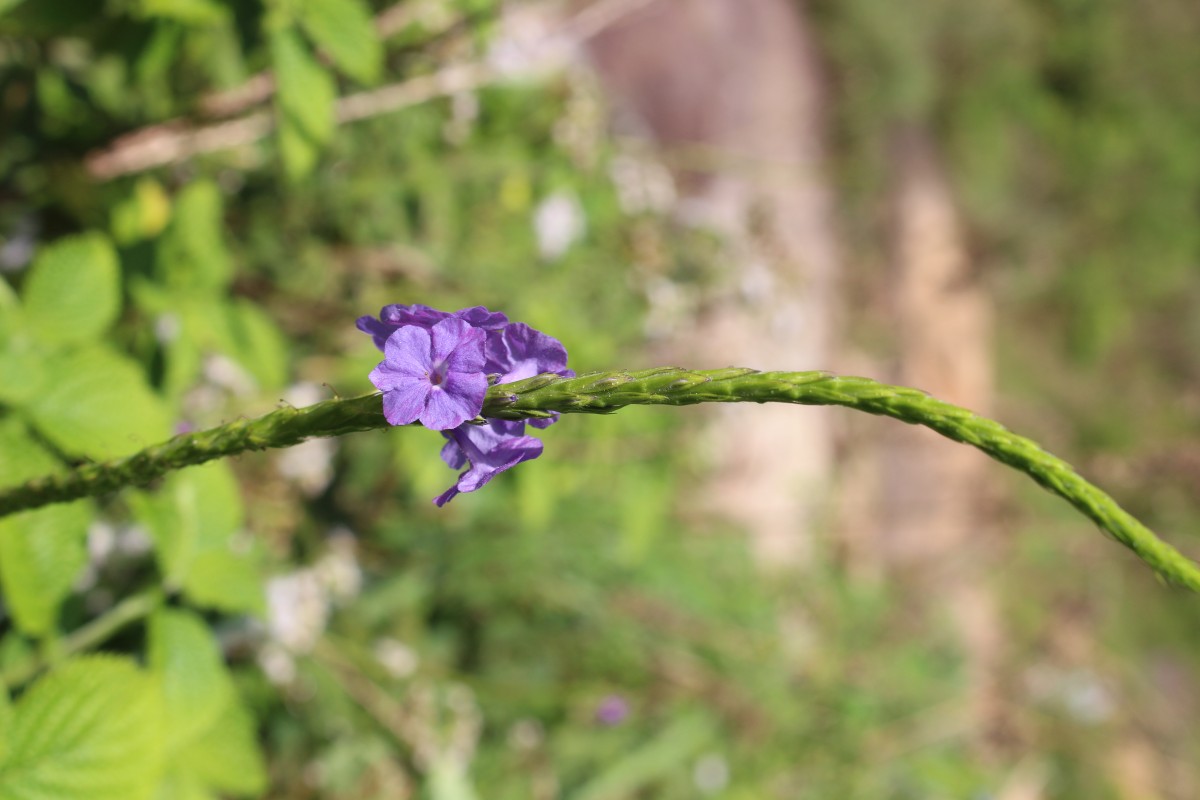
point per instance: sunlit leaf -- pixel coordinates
(227, 756)
(344, 31)
(196, 685)
(192, 253)
(41, 551)
(304, 102)
(91, 730)
(193, 521)
(193, 12)
(99, 405)
(74, 290)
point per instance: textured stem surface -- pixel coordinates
(604, 392)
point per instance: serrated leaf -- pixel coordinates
(304, 102)
(226, 581)
(41, 551)
(192, 254)
(261, 348)
(89, 730)
(227, 757)
(99, 405)
(73, 292)
(209, 739)
(344, 30)
(196, 686)
(193, 521)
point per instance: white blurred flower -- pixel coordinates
(642, 184)
(558, 222)
(397, 658)
(277, 664)
(101, 542)
(226, 373)
(528, 44)
(1080, 692)
(133, 540)
(338, 570)
(166, 328)
(711, 773)
(297, 610)
(309, 464)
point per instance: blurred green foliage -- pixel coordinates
(468, 652)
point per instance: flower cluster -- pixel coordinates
(436, 369)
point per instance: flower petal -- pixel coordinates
(491, 450)
(416, 314)
(521, 352)
(458, 345)
(407, 352)
(404, 403)
(452, 454)
(480, 317)
(457, 400)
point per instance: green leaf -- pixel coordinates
(73, 292)
(227, 757)
(196, 686)
(210, 739)
(343, 29)
(41, 551)
(89, 730)
(6, 715)
(10, 310)
(141, 215)
(304, 102)
(261, 347)
(192, 254)
(225, 580)
(178, 786)
(99, 406)
(193, 521)
(191, 12)
(24, 374)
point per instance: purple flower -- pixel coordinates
(612, 710)
(490, 449)
(518, 351)
(435, 370)
(433, 375)
(398, 315)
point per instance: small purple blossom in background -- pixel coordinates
(433, 375)
(613, 710)
(436, 369)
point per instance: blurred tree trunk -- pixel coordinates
(930, 525)
(729, 91)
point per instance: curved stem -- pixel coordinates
(93, 633)
(604, 392)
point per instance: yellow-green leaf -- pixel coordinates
(41, 551)
(196, 685)
(344, 31)
(99, 405)
(192, 254)
(304, 102)
(90, 730)
(73, 292)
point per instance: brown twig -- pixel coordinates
(176, 141)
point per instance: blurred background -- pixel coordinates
(997, 202)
